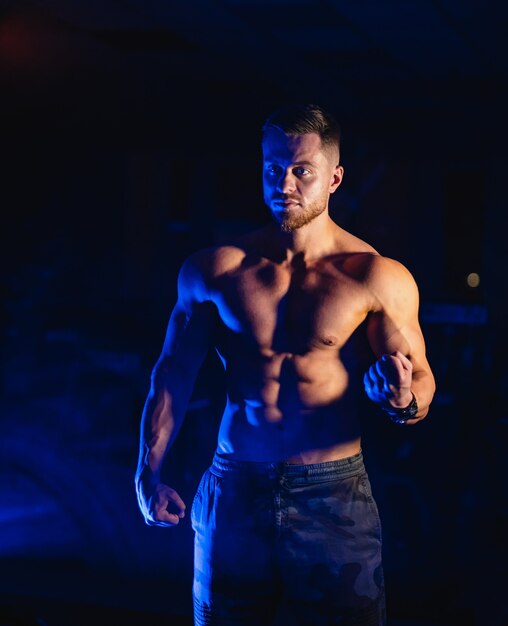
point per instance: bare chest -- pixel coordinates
(293, 311)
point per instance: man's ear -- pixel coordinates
(337, 176)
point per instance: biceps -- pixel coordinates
(387, 335)
(189, 335)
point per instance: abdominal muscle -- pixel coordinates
(284, 407)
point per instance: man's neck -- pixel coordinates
(310, 242)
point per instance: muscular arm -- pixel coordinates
(397, 341)
(187, 341)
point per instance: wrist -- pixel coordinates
(400, 415)
(401, 402)
(146, 476)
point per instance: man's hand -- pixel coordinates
(161, 505)
(388, 380)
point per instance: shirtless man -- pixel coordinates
(285, 524)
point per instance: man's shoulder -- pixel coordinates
(385, 278)
(384, 269)
(347, 243)
(362, 256)
(391, 284)
(213, 261)
(352, 256)
(199, 270)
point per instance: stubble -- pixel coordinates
(290, 221)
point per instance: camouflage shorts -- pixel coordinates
(287, 544)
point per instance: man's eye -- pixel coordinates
(272, 169)
(301, 171)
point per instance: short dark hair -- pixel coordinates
(300, 119)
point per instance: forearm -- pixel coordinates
(159, 426)
(163, 415)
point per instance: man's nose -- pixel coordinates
(286, 183)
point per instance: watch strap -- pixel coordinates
(401, 416)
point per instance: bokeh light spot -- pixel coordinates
(473, 279)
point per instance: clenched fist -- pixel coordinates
(160, 505)
(388, 381)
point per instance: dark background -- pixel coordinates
(129, 133)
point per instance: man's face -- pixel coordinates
(298, 177)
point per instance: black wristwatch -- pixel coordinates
(401, 416)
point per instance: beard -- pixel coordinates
(291, 220)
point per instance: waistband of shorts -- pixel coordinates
(338, 469)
